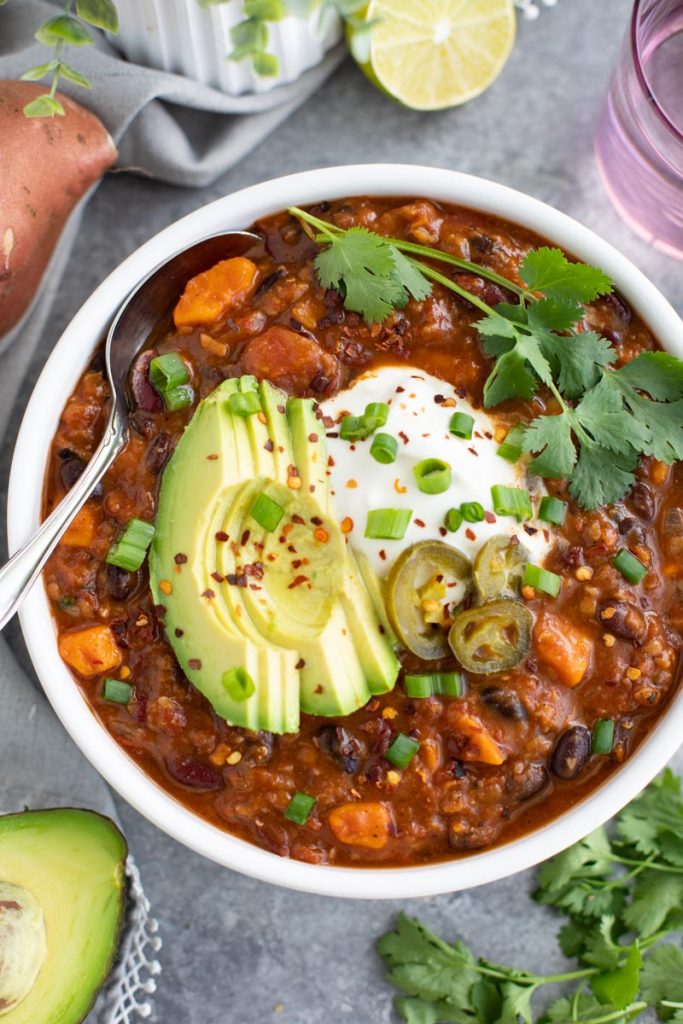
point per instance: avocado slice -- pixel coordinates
(62, 894)
(310, 449)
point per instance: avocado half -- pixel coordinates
(62, 896)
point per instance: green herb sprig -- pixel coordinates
(607, 417)
(621, 897)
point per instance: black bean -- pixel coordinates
(71, 470)
(571, 752)
(622, 619)
(506, 703)
(482, 243)
(119, 583)
(341, 746)
(642, 500)
(158, 453)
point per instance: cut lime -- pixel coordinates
(432, 54)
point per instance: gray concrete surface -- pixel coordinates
(237, 951)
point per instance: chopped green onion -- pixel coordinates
(388, 523)
(552, 510)
(512, 501)
(357, 428)
(541, 579)
(378, 412)
(244, 404)
(461, 425)
(128, 552)
(433, 476)
(472, 512)
(402, 750)
(384, 448)
(511, 448)
(630, 567)
(168, 372)
(437, 684)
(116, 691)
(238, 684)
(299, 808)
(179, 398)
(266, 512)
(453, 520)
(603, 736)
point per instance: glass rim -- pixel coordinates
(642, 77)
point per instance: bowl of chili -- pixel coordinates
(466, 770)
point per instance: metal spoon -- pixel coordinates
(142, 311)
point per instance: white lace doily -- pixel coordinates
(127, 999)
(531, 9)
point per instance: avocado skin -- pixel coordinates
(73, 862)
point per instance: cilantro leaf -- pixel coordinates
(549, 271)
(552, 437)
(578, 360)
(419, 1011)
(423, 965)
(518, 352)
(657, 373)
(656, 895)
(662, 978)
(586, 1008)
(620, 987)
(601, 476)
(654, 820)
(554, 314)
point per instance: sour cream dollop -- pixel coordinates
(420, 410)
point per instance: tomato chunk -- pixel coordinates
(209, 296)
(369, 824)
(91, 651)
(562, 648)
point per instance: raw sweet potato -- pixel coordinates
(46, 166)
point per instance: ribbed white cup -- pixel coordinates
(182, 37)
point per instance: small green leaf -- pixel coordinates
(250, 36)
(551, 436)
(662, 978)
(265, 64)
(63, 28)
(549, 271)
(34, 74)
(620, 987)
(99, 13)
(44, 106)
(74, 76)
(266, 10)
(601, 476)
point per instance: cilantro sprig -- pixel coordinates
(620, 896)
(606, 417)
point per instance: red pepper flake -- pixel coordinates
(222, 536)
(474, 451)
(300, 663)
(470, 534)
(271, 558)
(281, 409)
(269, 446)
(208, 593)
(311, 488)
(180, 558)
(179, 632)
(217, 577)
(531, 530)
(439, 399)
(404, 437)
(195, 664)
(328, 422)
(297, 563)
(299, 520)
(419, 522)
(490, 517)
(313, 438)
(297, 581)
(400, 390)
(255, 570)
(292, 549)
(330, 461)
(245, 537)
(332, 433)
(477, 434)
(316, 520)
(443, 531)
(383, 555)
(212, 458)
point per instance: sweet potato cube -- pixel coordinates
(83, 529)
(209, 296)
(91, 651)
(562, 648)
(369, 824)
(480, 744)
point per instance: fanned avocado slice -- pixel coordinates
(62, 893)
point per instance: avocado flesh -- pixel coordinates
(72, 863)
(305, 648)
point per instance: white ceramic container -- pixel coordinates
(198, 42)
(25, 493)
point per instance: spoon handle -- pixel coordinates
(20, 573)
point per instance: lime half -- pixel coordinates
(432, 54)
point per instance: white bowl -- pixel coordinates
(25, 493)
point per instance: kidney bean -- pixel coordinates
(506, 703)
(344, 749)
(642, 500)
(158, 453)
(622, 619)
(119, 583)
(571, 752)
(146, 398)
(193, 773)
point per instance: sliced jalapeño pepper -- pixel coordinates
(499, 567)
(492, 637)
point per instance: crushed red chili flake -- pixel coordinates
(300, 664)
(179, 632)
(419, 522)
(217, 577)
(439, 399)
(245, 537)
(470, 534)
(299, 520)
(404, 437)
(222, 536)
(269, 446)
(316, 520)
(297, 581)
(180, 558)
(443, 531)
(473, 451)
(195, 664)
(383, 555)
(313, 438)
(208, 592)
(212, 458)
(489, 517)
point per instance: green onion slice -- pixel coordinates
(603, 736)
(377, 412)
(168, 372)
(541, 579)
(116, 691)
(472, 512)
(512, 501)
(238, 684)
(552, 510)
(299, 808)
(461, 425)
(453, 520)
(266, 512)
(402, 750)
(128, 552)
(433, 476)
(436, 684)
(357, 428)
(179, 398)
(244, 404)
(630, 567)
(511, 448)
(384, 448)
(388, 523)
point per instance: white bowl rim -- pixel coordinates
(57, 380)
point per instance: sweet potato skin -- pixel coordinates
(46, 166)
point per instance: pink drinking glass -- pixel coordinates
(639, 142)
